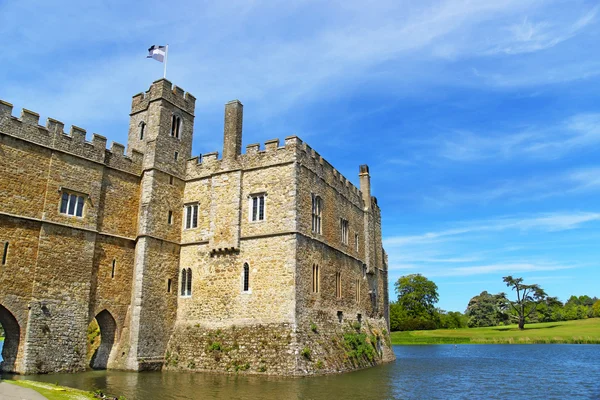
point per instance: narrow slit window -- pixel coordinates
(114, 266)
(170, 217)
(358, 291)
(338, 285)
(188, 291)
(176, 156)
(246, 277)
(5, 253)
(183, 281)
(170, 180)
(142, 129)
(356, 241)
(169, 284)
(315, 279)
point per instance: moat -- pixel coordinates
(433, 372)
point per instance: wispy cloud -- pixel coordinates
(547, 142)
(531, 36)
(546, 222)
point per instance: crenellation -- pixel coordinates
(117, 149)
(5, 109)
(252, 149)
(29, 117)
(272, 145)
(77, 134)
(99, 142)
(210, 157)
(54, 126)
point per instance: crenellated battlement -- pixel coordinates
(53, 136)
(271, 153)
(163, 89)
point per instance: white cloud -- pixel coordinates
(546, 222)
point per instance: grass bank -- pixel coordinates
(54, 392)
(586, 331)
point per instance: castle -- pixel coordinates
(264, 262)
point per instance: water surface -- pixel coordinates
(420, 372)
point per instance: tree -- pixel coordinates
(528, 298)
(417, 295)
(486, 310)
(596, 308)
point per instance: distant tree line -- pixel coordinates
(415, 307)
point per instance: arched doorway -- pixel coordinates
(108, 329)
(10, 346)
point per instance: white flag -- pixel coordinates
(157, 52)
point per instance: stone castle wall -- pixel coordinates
(123, 260)
(57, 274)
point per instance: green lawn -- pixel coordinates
(580, 331)
(53, 392)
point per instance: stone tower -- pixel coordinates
(161, 127)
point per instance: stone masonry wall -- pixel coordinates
(55, 277)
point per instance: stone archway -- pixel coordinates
(12, 333)
(108, 330)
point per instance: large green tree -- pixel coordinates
(528, 298)
(417, 295)
(486, 309)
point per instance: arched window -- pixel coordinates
(189, 282)
(338, 285)
(176, 126)
(183, 281)
(315, 278)
(317, 208)
(246, 277)
(142, 126)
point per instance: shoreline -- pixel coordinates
(585, 331)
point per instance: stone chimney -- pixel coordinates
(365, 185)
(232, 145)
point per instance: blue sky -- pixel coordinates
(479, 120)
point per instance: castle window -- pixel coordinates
(186, 282)
(72, 204)
(338, 285)
(356, 241)
(142, 129)
(169, 284)
(358, 291)
(257, 207)
(317, 207)
(176, 156)
(191, 216)
(315, 278)
(170, 180)
(5, 253)
(176, 126)
(114, 266)
(364, 268)
(246, 278)
(344, 229)
(170, 217)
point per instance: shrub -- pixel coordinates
(306, 353)
(313, 327)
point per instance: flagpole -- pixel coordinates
(166, 58)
